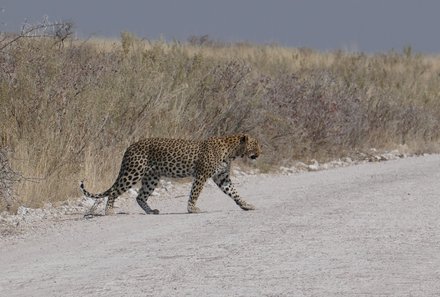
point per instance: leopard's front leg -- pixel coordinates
(196, 188)
(223, 181)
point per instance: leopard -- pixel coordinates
(147, 160)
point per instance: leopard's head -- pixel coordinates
(249, 147)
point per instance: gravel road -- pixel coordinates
(365, 230)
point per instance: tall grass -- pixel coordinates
(68, 113)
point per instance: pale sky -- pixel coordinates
(360, 25)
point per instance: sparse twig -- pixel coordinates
(8, 177)
(58, 30)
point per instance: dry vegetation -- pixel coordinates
(69, 111)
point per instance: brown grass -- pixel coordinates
(68, 113)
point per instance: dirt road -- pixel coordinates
(366, 230)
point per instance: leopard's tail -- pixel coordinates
(94, 196)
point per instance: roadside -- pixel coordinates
(31, 219)
(371, 229)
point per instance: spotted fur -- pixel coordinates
(150, 159)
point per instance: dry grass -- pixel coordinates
(69, 112)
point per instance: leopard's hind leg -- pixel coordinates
(149, 183)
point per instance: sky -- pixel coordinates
(353, 25)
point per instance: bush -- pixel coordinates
(69, 112)
(8, 178)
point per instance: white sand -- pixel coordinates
(366, 230)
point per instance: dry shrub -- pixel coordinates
(8, 178)
(69, 112)
(312, 114)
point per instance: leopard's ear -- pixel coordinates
(243, 139)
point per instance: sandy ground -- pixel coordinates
(366, 230)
